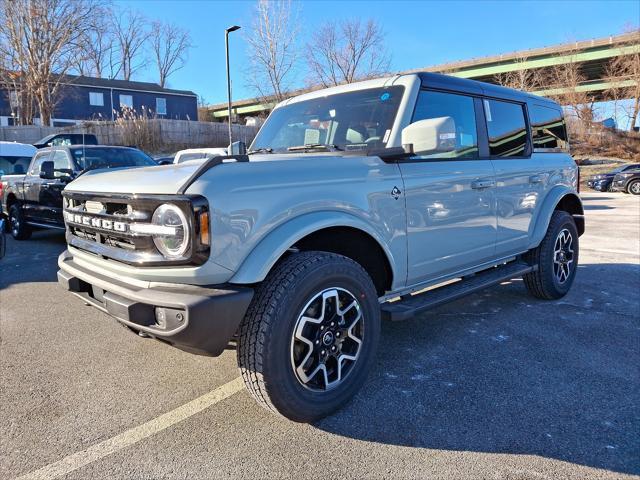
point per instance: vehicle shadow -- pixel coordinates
(33, 260)
(502, 372)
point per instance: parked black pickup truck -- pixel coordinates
(35, 199)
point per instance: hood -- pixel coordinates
(165, 179)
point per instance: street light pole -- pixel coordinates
(226, 44)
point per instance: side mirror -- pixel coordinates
(237, 148)
(431, 135)
(47, 170)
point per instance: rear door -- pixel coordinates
(450, 199)
(520, 179)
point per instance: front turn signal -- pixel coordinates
(205, 238)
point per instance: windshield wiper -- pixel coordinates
(314, 146)
(260, 150)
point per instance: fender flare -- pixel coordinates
(553, 198)
(268, 251)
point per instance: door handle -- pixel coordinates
(480, 184)
(535, 179)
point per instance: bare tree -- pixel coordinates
(170, 45)
(39, 39)
(131, 33)
(623, 74)
(347, 52)
(566, 79)
(272, 48)
(97, 45)
(520, 78)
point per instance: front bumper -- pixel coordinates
(201, 320)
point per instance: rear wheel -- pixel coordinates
(17, 226)
(634, 187)
(307, 341)
(556, 259)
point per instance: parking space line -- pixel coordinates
(107, 447)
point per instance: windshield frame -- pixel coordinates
(397, 93)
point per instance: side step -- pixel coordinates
(411, 305)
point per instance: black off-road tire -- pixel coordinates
(634, 187)
(264, 343)
(17, 226)
(543, 283)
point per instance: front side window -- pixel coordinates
(37, 161)
(548, 128)
(506, 127)
(96, 99)
(453, 120)
(355, 120)
(161, 106)
(61, 161)
(126, 101)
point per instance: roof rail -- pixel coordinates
(208, 165)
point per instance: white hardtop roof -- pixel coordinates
(15, 149)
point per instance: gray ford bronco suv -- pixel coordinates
(369, 201)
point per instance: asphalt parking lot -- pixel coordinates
(498, 385)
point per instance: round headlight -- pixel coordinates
(175, 242)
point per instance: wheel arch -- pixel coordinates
(334, 232)
(560, 198)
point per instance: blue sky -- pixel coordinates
(418, 33)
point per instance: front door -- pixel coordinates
(450, 194)
(32, 184)
(51, 189)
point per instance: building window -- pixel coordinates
(126, 101)
(14, 99)
(506, 127)
(96, 99)
(161, 106)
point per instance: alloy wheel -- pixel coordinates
(327, 339)
(563, 256)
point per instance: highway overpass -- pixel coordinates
(593, 55)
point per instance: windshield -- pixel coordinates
(346, 121)
(93, 158)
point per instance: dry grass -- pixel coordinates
(137, 130)
(596, 142)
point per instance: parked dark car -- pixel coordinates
(627, 181)
(35, 199)
(66, 139)
(603, 182)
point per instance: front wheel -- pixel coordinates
(555, 259)
(308, 339)
(19, 229)
(634, 187)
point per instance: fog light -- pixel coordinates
(169, 318)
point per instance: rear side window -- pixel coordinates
(506, 127)
(456, 120)
(548, 128)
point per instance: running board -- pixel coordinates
(411, 305)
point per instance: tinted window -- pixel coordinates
(548, 127)
(93, 158)
(14, 165)
(351, 120)
(454, 119)
(506, 128)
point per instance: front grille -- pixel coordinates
(112, 226)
